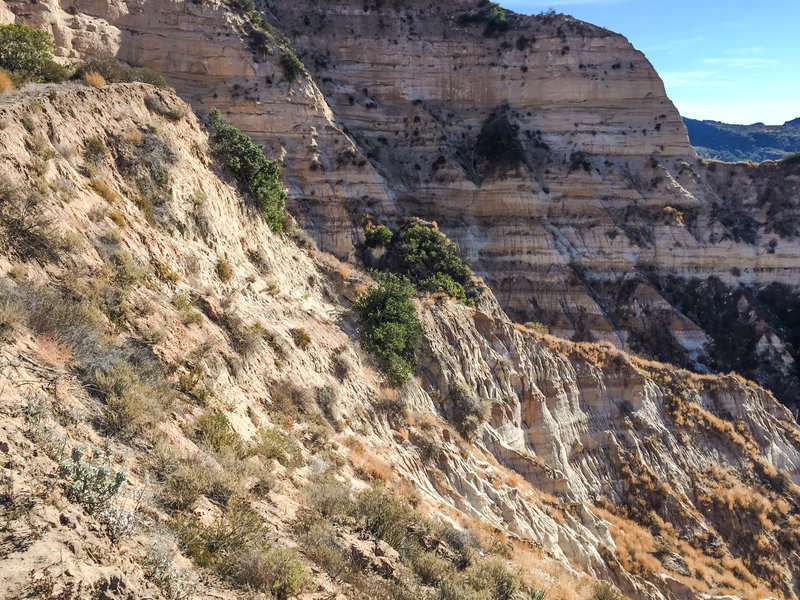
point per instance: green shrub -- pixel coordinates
(318, 542)
(389, 518)
(496, 20)
(132, 397)
(276, 570)
(377, 236)
(442, 283)
(327, 496)
(391, 328)
(186, 485)
(223, 544)
(25, 51)
(431, 261)
(213, 430)
(251, 168)
(492, 575)
(431, 569)
(91, 483)
(291, 65)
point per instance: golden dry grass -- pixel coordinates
(94, 79)
(371, 467)
(102, 189)
(6, 85)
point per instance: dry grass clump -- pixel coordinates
(25, 229)
(371, 467)
(290, 402)
(224, 269)
(6, 84)
(277, 445)
(244, 337)
(52, 351)
(94, 79)
(134, 396)
(301, 338)
(102, 189)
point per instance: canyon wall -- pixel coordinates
(607, 227)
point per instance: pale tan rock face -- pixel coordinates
(6, 16)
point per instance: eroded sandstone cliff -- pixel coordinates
(593, 464)
(584, 449)
(608, 211)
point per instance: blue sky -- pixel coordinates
(735, 61)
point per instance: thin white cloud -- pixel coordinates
(693, 78)
(741, 63)
(673, 44)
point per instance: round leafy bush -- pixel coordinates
(378, 236)
(25, 50)
(426, 254)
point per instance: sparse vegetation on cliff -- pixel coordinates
(252, 169)
(113, 71)
(498, 144)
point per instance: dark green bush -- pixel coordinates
(445, 284)
(25, 51)
(498, 143)
(432, 261)
(391, 328)
(301, 338)
(377, 236)
(252, 169)
(292, 66)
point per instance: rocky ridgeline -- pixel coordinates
(580, 463)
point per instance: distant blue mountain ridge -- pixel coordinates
(756, 142)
